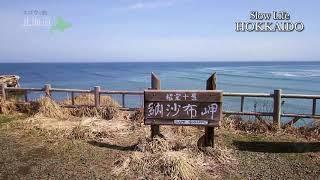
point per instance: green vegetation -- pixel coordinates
(6, 118)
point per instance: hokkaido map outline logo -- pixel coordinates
(60, 25)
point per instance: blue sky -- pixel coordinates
(156, 30)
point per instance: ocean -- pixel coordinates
(258, 77)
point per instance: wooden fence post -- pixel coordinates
(123, 101)
(277, 108)
(242, 103)
(97, 96)
(314, 106)
(3, 91)
(25, 96)
(47, 88)
(155, 84)
(209, 131)
(72, 98)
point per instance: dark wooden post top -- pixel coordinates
(155, 84)
(209, 131)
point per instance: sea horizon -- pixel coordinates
(246, 77)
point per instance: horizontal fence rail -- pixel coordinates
(277, 97)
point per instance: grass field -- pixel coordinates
(50, 142)
(41, 153)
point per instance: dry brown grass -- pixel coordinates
(108, 110)
(7, 107)
(306, 132)
(156, 159)
(28, 109)
(79, 132)
(238, 124)
(84, 128)
(44, 106)
(137, 116)
(12, 107)
(49, 108)
(88, 99)
(175, 157)
(106, 113)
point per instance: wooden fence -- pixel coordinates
(277, 97)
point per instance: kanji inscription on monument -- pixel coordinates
(183, 107)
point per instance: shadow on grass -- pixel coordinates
(113, 146)
(277, 147)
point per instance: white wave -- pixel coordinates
(143, 79)
(286, 74)
(303, 73)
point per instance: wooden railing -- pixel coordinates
(277, 97)
(48, 90)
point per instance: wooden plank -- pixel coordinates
(70, 90)
(77, 106)
(185, 96)
(171, 123)
(183, 110)
(24, 89)
(300, 96)
(232, 94)
(300, 115)
(123, 92)
(293, 121)
(191, 107)
(249, 113)
(77, 90)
